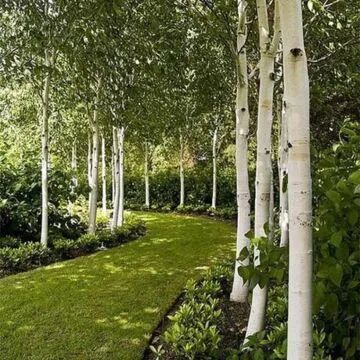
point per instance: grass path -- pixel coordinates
(104, 306)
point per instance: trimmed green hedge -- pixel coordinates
(225, 213)
(31, 255)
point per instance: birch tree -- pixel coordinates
(103, 172)
(94, 125)
(37, 32)
(296, 109)
(240, 289)
(263, 182)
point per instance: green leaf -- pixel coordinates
(259, 354)
(353, 283)
(336, 238)
(352, 216)
(250, 234)
(318, 296)
(334, 196)
(331, 305)
(355, 177)
(244, 254)
(336, 274)
(332, 272)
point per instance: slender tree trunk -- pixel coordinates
(103, 173)
(74, 181)
(112, 175)
(121, 177)
(263, 159)
(146, 176)
(240, 289)
(181, 167)
(90, 163)
(74, 164)
(283, 173)
(95, 165)
(214, 158)
(116, 178)
(296, 107)
(45, 152)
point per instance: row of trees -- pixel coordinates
(164, 75)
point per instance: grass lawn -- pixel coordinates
(104, 306)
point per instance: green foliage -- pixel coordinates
(28, 256)
(336, 262)
(25, 257)
(9, 241)
(194, 331)
(102, 220)
(272, 266)
(336, 244)
(165, 191)
(20, 201)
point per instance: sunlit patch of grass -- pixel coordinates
(104, 306)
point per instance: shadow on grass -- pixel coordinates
(104, 306)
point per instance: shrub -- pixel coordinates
(65, 248)
(31, 255)
(87, 243)
(20, 203)
(107, 238)
(102, 220)
(195, 327)
(25, 257)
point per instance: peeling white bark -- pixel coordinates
(240, 289)
(296, 107)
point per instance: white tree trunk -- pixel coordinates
(116, 178)
(103, 173)
(95, 165)
(214, 158)
(112, 175)
(181, 167)
(263, 157)
(146, 176)
(283, 173)
(296, 107)
(121, 134)
(45, 154)
(74, 163)
(90, 163)
(240, 289)
(74, 180)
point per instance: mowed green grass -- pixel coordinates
(105, 306)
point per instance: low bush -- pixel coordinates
(88, 243)
(194, 332)
(31, 255)
(25, 257)
(65, 248)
